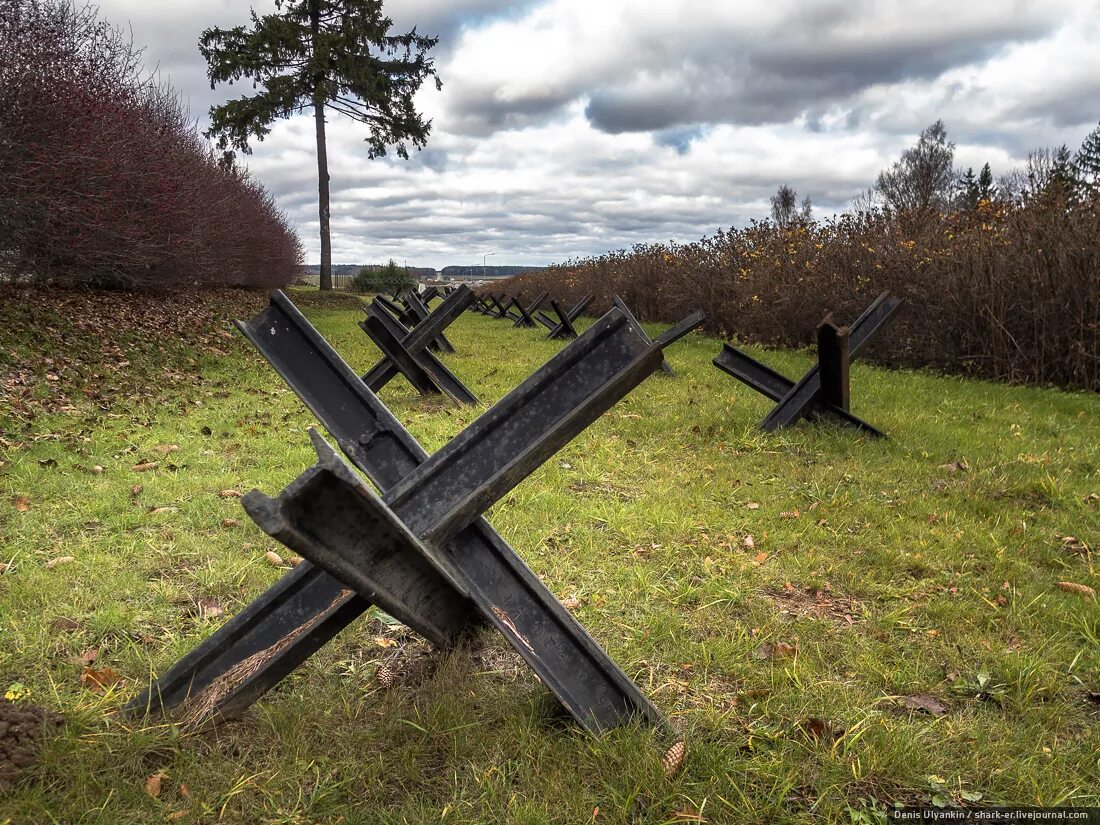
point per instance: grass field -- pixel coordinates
(789, 601)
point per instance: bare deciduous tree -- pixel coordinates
(923, 179)
(785, 209)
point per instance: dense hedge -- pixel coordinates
(103, 178)
(1009, 291)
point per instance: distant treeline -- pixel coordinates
(422, 272)
(351, 270)
(104, 177)
(488, 271)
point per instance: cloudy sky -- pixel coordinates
(572, 127)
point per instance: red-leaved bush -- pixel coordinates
(104, 180)
(1009, 291)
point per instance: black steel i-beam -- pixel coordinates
(498, 310)
(438, 499)
(506, 312)
(419, 309)
(295, 617)
(666, 367)
(402, 314)
(563, 327)
(805, 398)
(426, 373)
(524, 319)
(422, 335)
(290, 631)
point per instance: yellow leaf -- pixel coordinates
(99, 680)
(382, 641)
(152, 784)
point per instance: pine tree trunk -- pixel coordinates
(323, 195)
(322, 161)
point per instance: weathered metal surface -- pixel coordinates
(506, 591)
(563, 326)
(666, 367)
(805, 398)
(524, 318)
(416, 340)
(498, 310)
(300, 613)
(440, 498)
(414, 360)
(420, 310)
(833, 358)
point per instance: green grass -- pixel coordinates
(925, 564)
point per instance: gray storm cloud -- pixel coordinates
(567, 127)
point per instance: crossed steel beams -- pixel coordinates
(823, 391)
(414, 311)
(429, 511)
(408, 352)
(563, 327)
(523, 316)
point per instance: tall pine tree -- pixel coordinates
(1086, 164)
(324, 54)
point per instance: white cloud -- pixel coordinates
(567, 128)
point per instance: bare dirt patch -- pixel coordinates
(794, 601)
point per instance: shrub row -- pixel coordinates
(105, 181)
(1009, 291)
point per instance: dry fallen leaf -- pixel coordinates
(60, 560)
(4, 567)
(185, 792)
(97, 470)
(172, 817)
(790, 514)
(1079, 589)
(21, 503)
(760, 558)
(88, 656)
(230, 522)
(820, 729)
(165, 449)
(924, 702)
(64, 624)
(779, 650)
(749, 542)
(136, 490)
(274, 559)
(229, 494)
(152, 784)
(294, 561)
(752, 505)
(99, 680)
(382, 641)
(145, 465)
(572, 603)
(210, 608)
